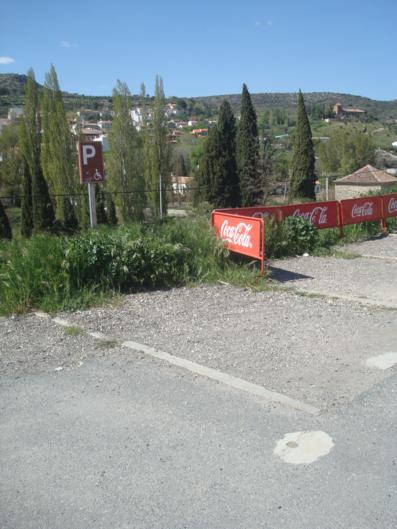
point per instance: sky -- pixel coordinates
(205, 47)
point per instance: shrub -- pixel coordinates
(291, 236)
(67, 272)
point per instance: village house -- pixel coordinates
(349, 112)
(105, 124)
(199, 133)
(366, 180)
(14, 113)
(181, 184)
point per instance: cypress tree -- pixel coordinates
(30, 144)
(251, 177)
(26, 206)
(5, 228)
(303, 178)
(225, 181)
(204, 190)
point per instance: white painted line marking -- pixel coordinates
(99, 336)
(298, 448)
(383, 361)
(213, 374)
(345, 297)
(61, 321)
(40, 314)
(229, 380)
(381, 257)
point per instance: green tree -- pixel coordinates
(70, 224)
(27, 204)
(179, 165)
(160, 153)
(125, 158)
(266, 165)
(346, 151)
(5, 228)
(251, 177)
(219, 178)
(302, 178)
(11, 163)
(205, 170)
(58, 152)
(30, 145)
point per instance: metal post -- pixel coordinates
(92, 204)
(326, 187)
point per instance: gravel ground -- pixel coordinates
(361, 278)
(308, 348)
(30, 344)
(379, 247)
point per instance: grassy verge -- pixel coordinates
(65, 273)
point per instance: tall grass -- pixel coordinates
(51, 273)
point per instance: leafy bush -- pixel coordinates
(66, 272)
(291, 236)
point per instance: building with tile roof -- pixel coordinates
(366, 180)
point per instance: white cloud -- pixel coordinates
(67, 44)
(6, 60)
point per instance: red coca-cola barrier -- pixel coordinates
(356, 210)
(320, 214)
(241, 234)
(390, 205)
(260, 212)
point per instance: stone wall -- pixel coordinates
(352, 191)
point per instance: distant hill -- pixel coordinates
(12, 84)
(12, 93)
(382, 110)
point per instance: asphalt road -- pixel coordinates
(97, 435)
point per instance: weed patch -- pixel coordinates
(74, 331)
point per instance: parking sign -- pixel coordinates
(90, 162)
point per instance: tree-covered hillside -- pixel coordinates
(381, 110)
(12, 94)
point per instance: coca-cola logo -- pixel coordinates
(261, 215)
(239, 235)
(317, 215)
(365, 210)
(392, 205)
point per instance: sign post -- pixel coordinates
(91, 171)
(92, 204)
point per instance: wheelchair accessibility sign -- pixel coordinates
(90, 162)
